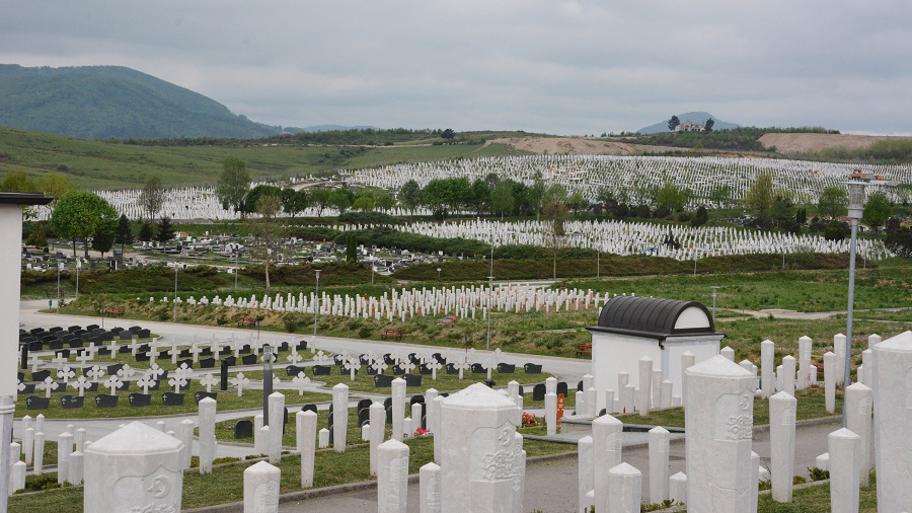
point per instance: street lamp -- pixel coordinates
(174, 302)
(490, 311)
(316, 303)
(268, 358)
(856, 209)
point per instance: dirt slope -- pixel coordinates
(802, 143)
(580, 146)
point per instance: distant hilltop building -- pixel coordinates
(690, 127)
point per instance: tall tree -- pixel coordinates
(673, 122)
(670, 197)
(268, 206)
(502, 198)
(103, 241)
(554, 208)
(409, 194)
(165, 230)
(833, 202)
(146, 233)
(152, 197)
(82, 215)
(877, 210)
(448, 134)
(708, 126)
(233, 183)
(320, 199)
(341, 199)
(759, 197)
(124, 234)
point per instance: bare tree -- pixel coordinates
(152, 197)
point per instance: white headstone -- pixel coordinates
(585, 469)
(480, 458)
(782, 411)
(892, 417)
(767, 368)
(858, 404)
(136, 468)
(392, 477)
(659, 439)
(207, 443)
(719, 418)
(677, 487)
(378, 431)
(844, 447)
(398, 407)
(644, 392)
(261, 488)
(551, 414)
(306, 439)
(76, 467)
(830, 368)
(607, 434)
(276, 426)
(625, 489)
(64, 449)
(429, 488)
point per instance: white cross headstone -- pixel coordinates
(113, 347)
(134, 345)
(434, 365)
(352, 364)
(84, 357)
(48, 385)
(66, 373)
(240, 382)
(195, 350)
(300, 382)
(179, 378)
(113, 383)
(208, 380)
(80, 385)
(35, 362)
(379, 366)
(147, 381)
(96, 373)
(294, 357)
(126, 372)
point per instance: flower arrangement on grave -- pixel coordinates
(419, 432)
(529, 419)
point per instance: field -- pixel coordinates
(99, 164)
(798, 143)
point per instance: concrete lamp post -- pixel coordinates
(11, 206)
(856, 187)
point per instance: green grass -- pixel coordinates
(99, 164)
(330, 469)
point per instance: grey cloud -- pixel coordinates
(567, 66)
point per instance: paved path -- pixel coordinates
(551, 486)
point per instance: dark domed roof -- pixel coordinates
(654, 317)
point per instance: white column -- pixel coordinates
(839, 347)
(481, 457)
(656, 388)
(398, 407)
(261, 488)
(830, 368)
(28, 444)
(625, 489)
(429, 488)
(805, 347)
(551, 385)
(551, 413)
(591, 403)
(74, 474)
(677, 487)
(755, 482)
(430, 415)
(687, 360)
(719, 418)
(659, 439)
(38, 456)
(607, 434)
(377, 432)
(340, 416)
(788, 375)
(858, 402)
(782, 410)
(392, 477)
(185, 435)
(207, 443)
(845, 447)
(17, 476)
(135, 468)
(64, 448)
(584, 469)
(892, 418)
(767, 368)
(305, 441)
(276, 426)
(417, 411)
(644, 394)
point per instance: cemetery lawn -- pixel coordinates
(226, 482)
(811, 405)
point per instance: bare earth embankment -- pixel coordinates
(581, 146)
(809, 143)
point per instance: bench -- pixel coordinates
(391, 332)
(583, 350)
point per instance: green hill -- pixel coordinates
(105, 164)
(105, 102)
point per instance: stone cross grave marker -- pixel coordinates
(179, 378)
(80, 385)
(113, 383)
(208, 380)
(300, 382)
(240, 382)
(96, 373)
(66, 373)
(48, 385)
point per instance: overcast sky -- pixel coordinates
(558, 66)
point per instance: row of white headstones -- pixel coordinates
(464, 302)
(476, 446)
